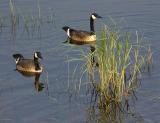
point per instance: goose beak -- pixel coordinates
(65, 28)
(40, 57)
(99, 16)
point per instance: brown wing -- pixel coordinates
(26, 65)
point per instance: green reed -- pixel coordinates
(114, 68)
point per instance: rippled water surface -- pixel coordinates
(20, 102)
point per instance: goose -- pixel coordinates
(28, 65)
(81, 35)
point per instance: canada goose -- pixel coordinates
(80, 35)
(28, 65)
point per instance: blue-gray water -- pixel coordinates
(19, 100)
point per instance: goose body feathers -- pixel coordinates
(28, 65)
(81, 35)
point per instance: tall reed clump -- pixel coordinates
(117, 75)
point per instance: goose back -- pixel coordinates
(80, 35)
(28, 65)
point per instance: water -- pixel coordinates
(19, 100)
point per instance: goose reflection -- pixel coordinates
(80, 42)
(38, 85)
(92, 46)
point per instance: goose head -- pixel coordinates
(37, 55)
(18, 57)
(94, 16)
(65, 28)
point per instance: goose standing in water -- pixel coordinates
(80, 35)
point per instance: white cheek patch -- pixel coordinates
(35, 55)
(17, 60)
(93, 17)
(68, 32)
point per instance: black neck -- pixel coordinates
(91, 24)
(36, 63)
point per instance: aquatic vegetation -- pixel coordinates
(149, 59)
(119, 68)
(14, 17)
(114, 70)
(26, 22)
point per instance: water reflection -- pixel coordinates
(91, 44)
(76, 42)
(38, 85)
(119, 112)
(113, 116)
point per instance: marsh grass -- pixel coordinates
(33, 24)
(119, 68)
(30, 23)
(14, 17)
(113, 70)
(149, 60)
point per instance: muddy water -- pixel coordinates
(20, 102)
